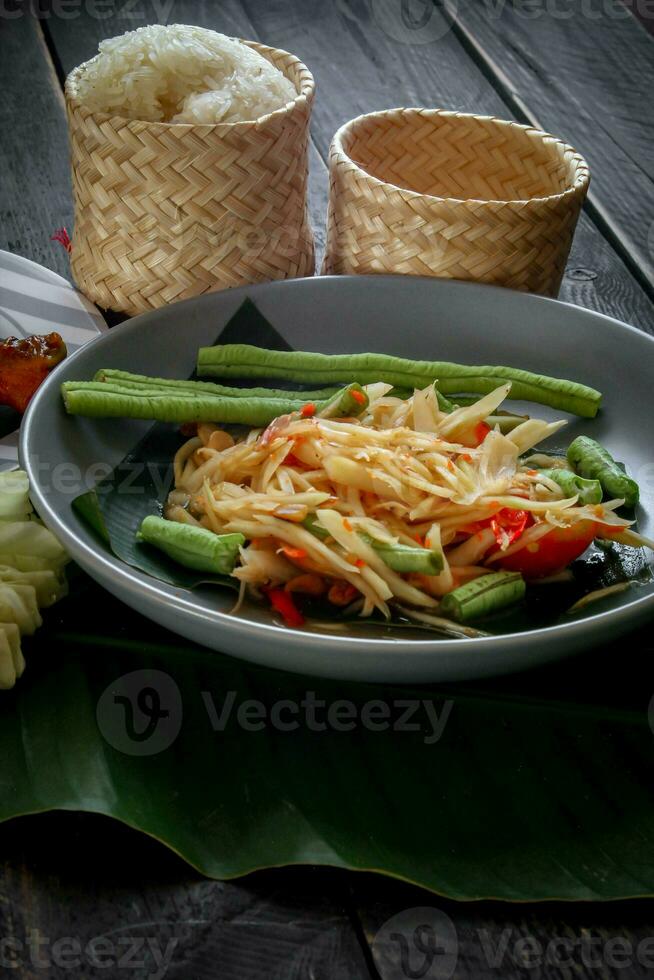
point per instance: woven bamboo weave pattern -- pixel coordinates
(430, 192)
(164, 211)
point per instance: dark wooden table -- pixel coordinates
(583, 69)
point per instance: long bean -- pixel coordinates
(484, 595)
(142, 381)
(588, 491)
(404, 558)
(592, 461)
(243, 360)
(97, 399)
(193, 547)
(168, 407)
(351, 401)
(400, 558)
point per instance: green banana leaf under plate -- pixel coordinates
(525, 788)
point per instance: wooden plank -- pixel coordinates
(557, 940)
(585, 71)
(34, 188)
(101, 903)
(373, 62)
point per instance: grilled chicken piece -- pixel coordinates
(24, 364)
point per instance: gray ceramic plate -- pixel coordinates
(422, 318)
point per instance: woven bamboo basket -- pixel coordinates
(436, 193)
(165, 211)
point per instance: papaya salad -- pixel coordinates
(408, 492)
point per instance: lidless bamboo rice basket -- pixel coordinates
(165, 211)
(437, 193)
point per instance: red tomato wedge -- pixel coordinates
(553, 552)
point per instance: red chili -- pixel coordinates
(507, 521)
(481, 431)
(283, 603)
(308, 410)
(358, 396)
(62, 236)
(508, 525)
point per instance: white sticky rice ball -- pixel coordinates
(182, 74)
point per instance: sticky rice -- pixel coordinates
(182, 74)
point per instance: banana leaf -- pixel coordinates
(534, 787)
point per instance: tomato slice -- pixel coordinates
(551, 553)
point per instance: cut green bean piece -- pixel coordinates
(484, 595)
(351, 401)
(243, 360)
(588, 491)
(400, 558)
(193, 547)
(592, 461)
(404, 558)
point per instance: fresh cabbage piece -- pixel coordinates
(14, 496)
(12, 662)
(49, 586)
(30, 538)
(18, 605)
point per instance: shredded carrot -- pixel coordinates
(466, 457)
(292, 552)
(347, 525)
